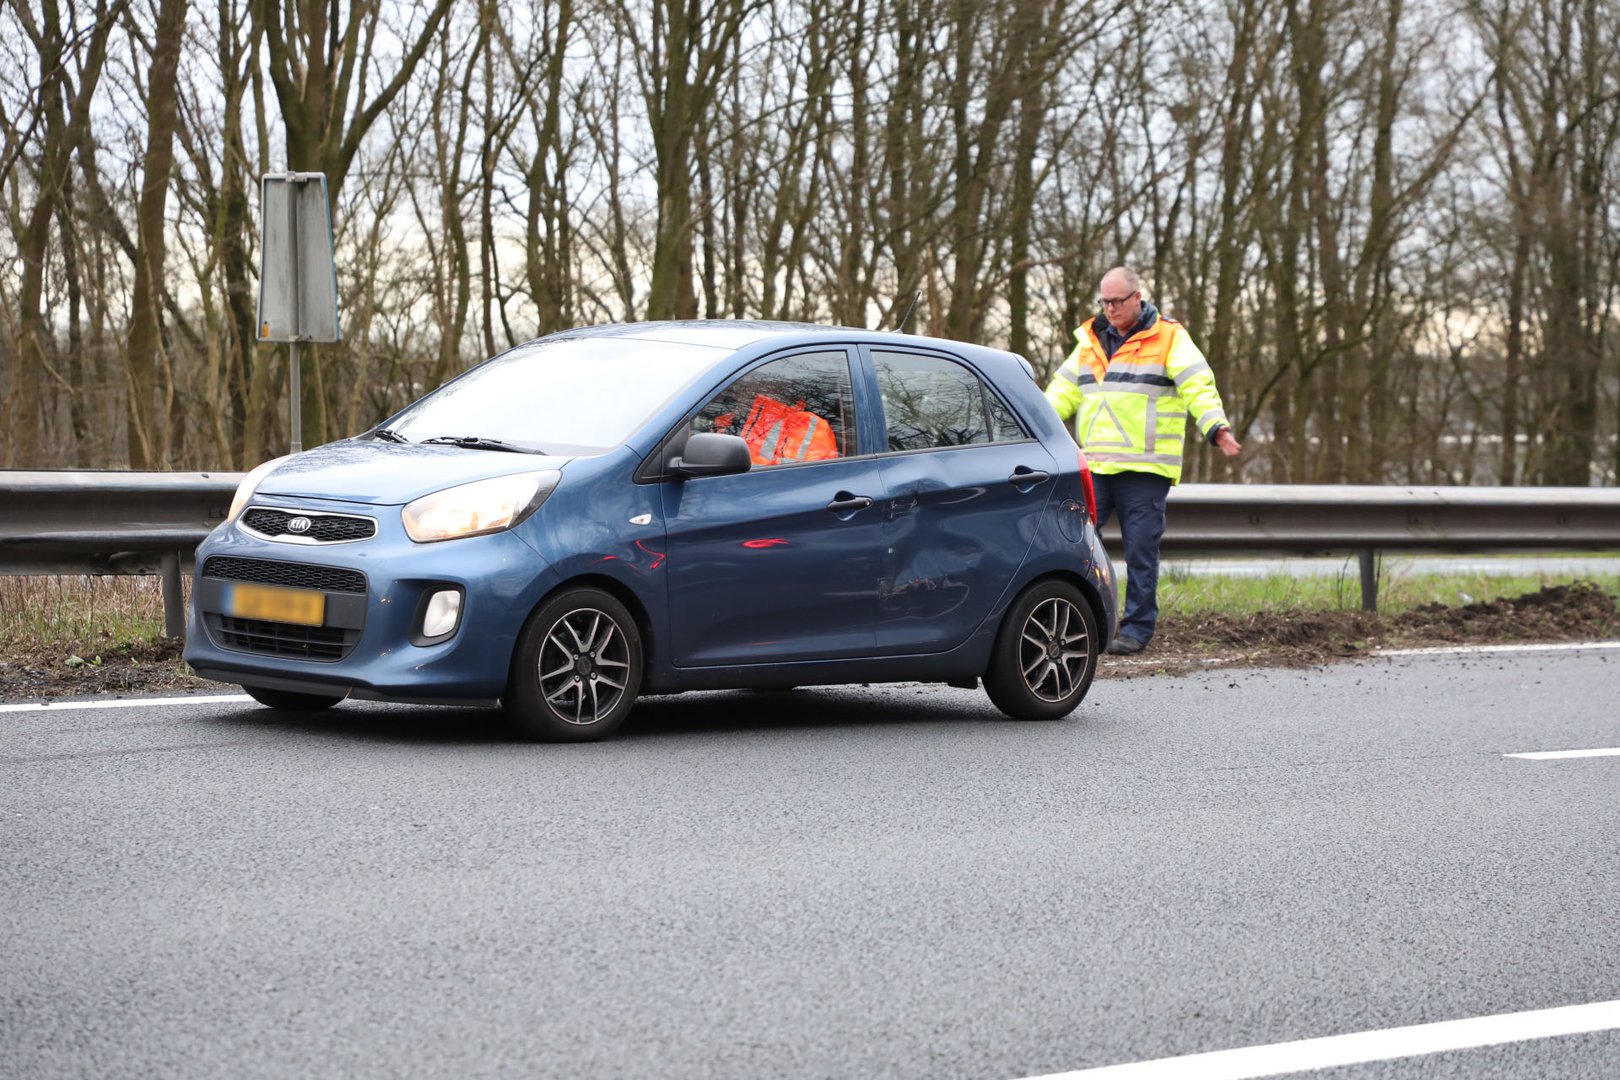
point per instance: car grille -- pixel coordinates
(283, 639)
(291, 575)
(323, 528)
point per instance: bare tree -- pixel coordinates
(541, 69)
(147, 440)
(320, 63)
(680, 58)
(1557, 121)
(71, 63)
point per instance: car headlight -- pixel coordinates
(250, 483)
(484, 506)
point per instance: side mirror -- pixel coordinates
(710, 454)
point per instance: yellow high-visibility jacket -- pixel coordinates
(1133, 408)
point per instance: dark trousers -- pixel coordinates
(1138, 499)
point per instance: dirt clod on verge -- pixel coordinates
(1574, 612)
(91, 670)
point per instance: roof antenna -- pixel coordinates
(906, 318)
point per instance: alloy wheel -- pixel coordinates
(584, 666)
(1054, 649)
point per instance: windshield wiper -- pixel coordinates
(475, 442)
(387, 435)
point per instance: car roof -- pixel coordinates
(739, 333)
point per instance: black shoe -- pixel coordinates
(1125, 646)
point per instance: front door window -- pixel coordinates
(789, 411)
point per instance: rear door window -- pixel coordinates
(930, 403)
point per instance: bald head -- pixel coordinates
(1120, 294)
(1124, 277)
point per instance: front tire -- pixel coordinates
(1045, 653)
(577, 668)
(290, 700)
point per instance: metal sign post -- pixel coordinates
(297, 274)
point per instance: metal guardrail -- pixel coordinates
(85, 522)
(1366, 519)
(1332, 518)
(151, 523)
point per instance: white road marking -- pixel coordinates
(121, 703)
(1354, 1049)
(1463, 650)
(1553, 755)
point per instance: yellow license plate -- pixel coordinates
(273, 604)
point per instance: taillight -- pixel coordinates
(1087, 487)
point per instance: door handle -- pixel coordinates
(848, 504)
(1022, 476)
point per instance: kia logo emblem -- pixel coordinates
(299, 525)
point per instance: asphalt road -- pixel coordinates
(882, 882)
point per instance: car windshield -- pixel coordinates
(569, 396)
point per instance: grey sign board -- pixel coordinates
(297, 276)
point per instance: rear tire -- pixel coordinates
(290, 700)
(1045, 653)
(577, 668)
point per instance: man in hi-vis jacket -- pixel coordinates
(1133, 379)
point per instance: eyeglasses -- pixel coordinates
(1116, 301)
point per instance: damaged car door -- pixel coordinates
(966, 486)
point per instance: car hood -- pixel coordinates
(390, 474)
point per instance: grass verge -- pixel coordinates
(1399, 591)
(80, 611)
(82, 635)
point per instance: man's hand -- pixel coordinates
(1228, 443)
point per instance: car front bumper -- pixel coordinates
(374, 594)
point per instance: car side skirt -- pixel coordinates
(966, 661)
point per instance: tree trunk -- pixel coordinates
(147, 441)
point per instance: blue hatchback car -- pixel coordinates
(659, 507)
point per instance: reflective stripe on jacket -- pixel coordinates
(778, 433)
(1131, 411)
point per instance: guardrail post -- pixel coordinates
(1369, 579)
(174, 613)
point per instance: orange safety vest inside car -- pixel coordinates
(778, 433)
